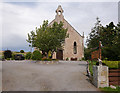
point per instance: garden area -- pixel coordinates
(114, 72)
(110, 64)
(35, 55)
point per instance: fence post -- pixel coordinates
(100, 76)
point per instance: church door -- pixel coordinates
(59, 54)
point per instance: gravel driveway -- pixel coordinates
(31, 76)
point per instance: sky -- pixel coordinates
(19, 18)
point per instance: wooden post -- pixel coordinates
(100, 50)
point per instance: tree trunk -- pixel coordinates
(47, 56)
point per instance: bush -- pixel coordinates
(83, 58)
(7, 54)
(91, 63)
(13, 56)
(28, 55)
(46, 59)
(8, 58)
(67, 59)
(55, 59)
(112, 64)
(21, 51)
(87, 53)
(36, 55)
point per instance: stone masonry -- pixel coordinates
(74, 36)
(100, 76)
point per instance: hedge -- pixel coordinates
(36, 55)
(112, 64)
(28, 55)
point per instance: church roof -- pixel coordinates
(59, 12)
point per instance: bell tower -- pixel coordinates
(59, 10)
(59, 14)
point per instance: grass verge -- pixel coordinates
(110, 90)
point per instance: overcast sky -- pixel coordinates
(19, 18)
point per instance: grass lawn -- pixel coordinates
(91, 63)
(110, 90)
(112, 64)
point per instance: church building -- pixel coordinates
(74, 44)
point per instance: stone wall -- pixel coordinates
(100, 76)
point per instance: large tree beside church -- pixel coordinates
(48, 38)
(109, 35)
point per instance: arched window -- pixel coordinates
(75, 48)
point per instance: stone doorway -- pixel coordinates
(59, 54)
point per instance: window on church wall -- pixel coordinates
(75, 48)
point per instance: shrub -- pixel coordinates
(112, 64)
(67, 59)
(8, 58)
(55, 59)
(21, 51)
(13, 56)
(28, 55)
(46, 59)
(83, 58)
(36, 55)
(91, 63)
(7, 54)
(106, 59)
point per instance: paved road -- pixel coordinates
(30, 76)
(0, 76)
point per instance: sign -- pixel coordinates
(95, 54)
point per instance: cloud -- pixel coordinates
(119, 11)
(18, 19)
(0, 26)
(61, 0)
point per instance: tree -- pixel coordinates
(7, 54)
(94, 36)
(31, 39)
(109, 35)
(48, 38)
(21, 51)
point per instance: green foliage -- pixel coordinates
(21, 51)
(13, 56)
(110, 90)
(36, 55)
(7, 54)
(83, 58)
(91, 63)
(55, 59)
(46, 59)
(28, 55)
(8, 58)
(112, 64)
(67, 59)
(87, 53)
(110, 38)
(48, 38)
(94, 38)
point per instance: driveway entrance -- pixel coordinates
(30, 76)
